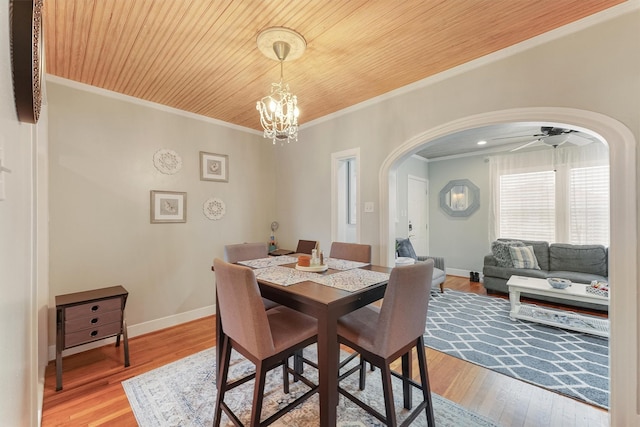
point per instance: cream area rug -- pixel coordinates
(183, 394)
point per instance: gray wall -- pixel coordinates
(463, 242)
(101, 173)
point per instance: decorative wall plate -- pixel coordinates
(214, 208)
(26, 57)
(167, 161)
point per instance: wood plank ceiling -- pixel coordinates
(201, 55)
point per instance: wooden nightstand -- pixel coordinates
(84, 317)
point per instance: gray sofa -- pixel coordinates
(578, 263)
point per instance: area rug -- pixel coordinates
(478, 329)
(183, 394)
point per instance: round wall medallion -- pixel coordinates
(214, 208)
(167, 161)
(26, 57)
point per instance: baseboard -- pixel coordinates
(460, 273)
(141, 329)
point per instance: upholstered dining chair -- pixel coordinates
(306, 246)
(351, 251)
(382, 335)
(265, 337)
(246, 251)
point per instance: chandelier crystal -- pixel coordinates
(279, 110)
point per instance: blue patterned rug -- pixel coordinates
(478, 329)
(183, 394)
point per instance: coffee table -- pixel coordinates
(555, 317)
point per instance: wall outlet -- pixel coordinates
(368, 206)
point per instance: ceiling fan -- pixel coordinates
(553, 137)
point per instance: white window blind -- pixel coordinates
(527, 206)
(589, 205)
(559, 195)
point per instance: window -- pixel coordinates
(559, 195)
(351, 191)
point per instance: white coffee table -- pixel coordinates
(555, 317)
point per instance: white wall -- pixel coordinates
(101, 173)
(416, 166)
(21, 369)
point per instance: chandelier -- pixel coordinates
(279, 110)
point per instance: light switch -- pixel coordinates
(368, 206)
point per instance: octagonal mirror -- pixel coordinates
(460, 198)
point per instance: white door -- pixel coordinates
(418, 214)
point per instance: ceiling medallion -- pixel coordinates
(167, 161)
(26, 57)
(279, 110)
(214, 208)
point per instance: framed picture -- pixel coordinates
(214, 167)
(168, 206)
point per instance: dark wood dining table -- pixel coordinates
(326, 304)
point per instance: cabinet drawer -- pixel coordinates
(92, 321)
(87, 335)
(92, 308)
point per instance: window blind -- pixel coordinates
(527, 206)
(589, 205)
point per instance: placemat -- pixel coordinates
(343, 264)
(284, 276)
(351, 280)
(269, 261)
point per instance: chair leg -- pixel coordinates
(258, 394)
(424, 378)
(363, 377)
(285, 375)
(222, 378)
(388, 396)
(407, 390)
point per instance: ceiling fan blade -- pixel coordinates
(525, 145)
(578, 139)
(516, 136)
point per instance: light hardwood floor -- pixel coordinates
(92, 394)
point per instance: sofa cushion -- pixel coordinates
(500, 251)
(506, 273)
(523, 257)
(540, 248)
(591, 259)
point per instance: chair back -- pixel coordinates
(306, 246)
(245, 251)
(241, 309)
(351, 251)
(404, 308)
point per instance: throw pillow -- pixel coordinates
(405, 248)
(524, 257)
(500, 251)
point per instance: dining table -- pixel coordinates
(344, 287)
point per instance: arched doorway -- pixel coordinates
(623, 250)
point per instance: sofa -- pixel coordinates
(578, 263)
(404, 248)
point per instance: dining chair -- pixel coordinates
(351, 251)
(381, 335)
(265, 337)
(244, 252)
(306, 246)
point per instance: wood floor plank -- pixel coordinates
(93, 396)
